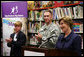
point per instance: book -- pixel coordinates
(50, 4)
(37, 15)
(58, 13)
(54, 14)
(31, 15)
(75, 12)
(68, 2)
(69, 12)
(37, 4)
(76, 27)
(46, 4)
(77, 2)
(81, 27)
(41, 16)
(65, 10)
(58, 3)
(62, 13)
(30, 5)
(80, 11)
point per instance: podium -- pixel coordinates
(34, 51)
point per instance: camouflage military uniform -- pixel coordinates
(47, 31)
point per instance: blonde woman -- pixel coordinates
(17, 39)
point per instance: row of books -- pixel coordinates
(36, 15)
(73, 12)
(78, 26)
(34, 27)
(43, 4)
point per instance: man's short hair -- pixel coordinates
(48, 11)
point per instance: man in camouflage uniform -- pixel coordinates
(48, 30)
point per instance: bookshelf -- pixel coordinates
(52, 20)
(56, 6)
(34, 22)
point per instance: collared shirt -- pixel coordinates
(50, 30)
(71, 42)
(15, 39)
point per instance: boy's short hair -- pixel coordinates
(18, 23)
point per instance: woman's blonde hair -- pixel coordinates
(18, 23)
(67, 20)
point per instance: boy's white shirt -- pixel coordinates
(15, 39)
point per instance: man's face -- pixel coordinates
(47, 17)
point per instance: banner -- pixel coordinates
(14, 9)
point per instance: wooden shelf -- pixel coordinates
(55, 6)
(52, 20)
(36, 20)
(78, 19)
(61, 32)
(78, 32)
